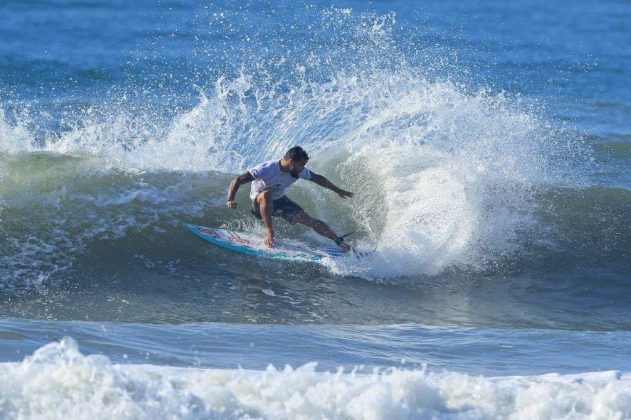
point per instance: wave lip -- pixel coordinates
(58, 381)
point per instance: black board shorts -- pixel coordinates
(283, 207)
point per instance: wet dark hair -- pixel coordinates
(296, 154)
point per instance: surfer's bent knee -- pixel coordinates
(264, 196)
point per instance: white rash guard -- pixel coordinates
(268, 176)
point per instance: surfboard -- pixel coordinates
(249, 244)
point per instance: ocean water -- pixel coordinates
(489, 148)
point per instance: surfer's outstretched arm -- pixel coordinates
(236, 182)
(323, 182)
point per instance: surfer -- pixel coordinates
(267, 193)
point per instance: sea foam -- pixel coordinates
(57, 381)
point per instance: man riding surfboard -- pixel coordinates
(267, 193)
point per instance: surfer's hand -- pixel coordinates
(344, 194)
(269, 239)
(232, 204)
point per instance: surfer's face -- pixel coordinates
(297, 167)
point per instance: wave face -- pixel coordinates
(444, 178)
(446, 174)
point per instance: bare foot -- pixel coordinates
(269, 240)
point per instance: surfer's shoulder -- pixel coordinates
(262, 168)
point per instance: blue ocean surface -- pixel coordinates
(488, 145)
